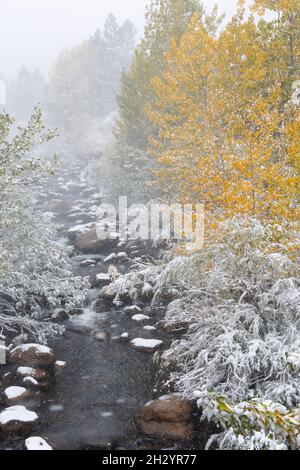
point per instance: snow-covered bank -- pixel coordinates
(239, 302)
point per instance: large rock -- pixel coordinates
(78, 230)
(14, 394)
(17, 420)
(32, 355)
(59, 206)
(168, 417)
(42, 377)
(89, 242)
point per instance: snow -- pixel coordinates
(40, 349)
(60, 363)
(110, 258)
(132, 309)
(37, 443)
(30, 380)
(17, 413)
(125, 335)
(25, 371)
(88, 262)
(103, 277)
(146, 343)
(140, 317)
(122, 255)
(13, 392)
(80, 228)
(149, 328)
(147, 289)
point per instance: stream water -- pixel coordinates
(94, 399)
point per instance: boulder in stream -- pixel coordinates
(168, 417)
(17, 420)
(32, 355)
(14, 394)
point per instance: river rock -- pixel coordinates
(102, 280)
(37, 443)
(75, 311)
(32, 355)
(89, 242)
(59, 316)
(39, 374)
(58, 206)
(140, 318)
(17, 420)
(168, 417)
(111, 257)
(146, 345)
(79, 229)
(88, 263)
(14, 394)
(132, 310)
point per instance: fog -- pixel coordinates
(33, 32)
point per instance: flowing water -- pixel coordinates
(94, 399)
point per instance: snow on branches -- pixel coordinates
(34, 269)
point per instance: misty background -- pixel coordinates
(33, 32)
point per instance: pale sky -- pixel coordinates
(32, 32)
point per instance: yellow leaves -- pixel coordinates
(224, 136)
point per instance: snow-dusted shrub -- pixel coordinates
(34, 269)
(241, 299)
(250, 425)
(141, 277)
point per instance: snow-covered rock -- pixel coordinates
(60, 363)
(140, 318)
(102, 279)
(30, 381)
(132, 309)
(111, 257)
(89, 242)
(87, 263)
(32, 355)
(14, 393)
(16, 420)
(78, 230)
(37, 443)
(146, 345)
(149, 328)
(124, 336)
(170, 416)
